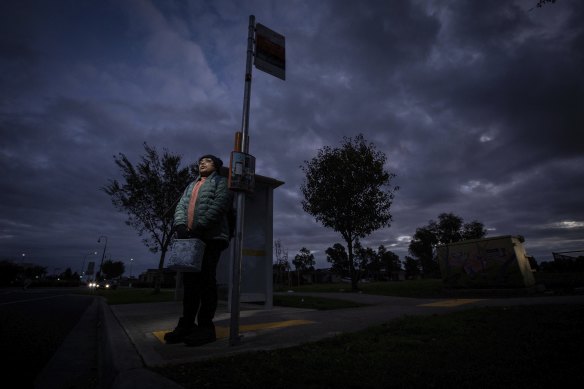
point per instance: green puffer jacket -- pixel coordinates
(213, 202)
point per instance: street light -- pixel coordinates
(131, 261)
(102, 255)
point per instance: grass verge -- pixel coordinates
(551, 283)
(424, 288)
(409, 288)
(312, 302)
(526, 346)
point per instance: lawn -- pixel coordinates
(504, 347)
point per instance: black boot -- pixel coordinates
(182, 330)
(201, 336)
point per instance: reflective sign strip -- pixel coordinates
(253, 253)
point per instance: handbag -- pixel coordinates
(186, 255)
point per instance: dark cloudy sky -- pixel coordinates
(478, 105)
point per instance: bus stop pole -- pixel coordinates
(234, 338)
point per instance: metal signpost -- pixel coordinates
(269, 57)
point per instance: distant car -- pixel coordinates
(103, 285)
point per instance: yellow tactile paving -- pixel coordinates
(450, 303)
(223, 332)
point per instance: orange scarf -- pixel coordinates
(193, 200)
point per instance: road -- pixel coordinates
(36, 331)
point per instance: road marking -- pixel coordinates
(450, 303)
(223, 332)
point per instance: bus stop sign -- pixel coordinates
(270, 52)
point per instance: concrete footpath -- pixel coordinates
(131, 335)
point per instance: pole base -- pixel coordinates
(235, 340)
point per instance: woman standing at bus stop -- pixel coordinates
(202, 213)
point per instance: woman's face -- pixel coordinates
(206, 166)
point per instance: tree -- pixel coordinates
(69, 275)
(473, 230)
(34, 272)
(337, 256)
(303, 261)
(390, 261)
(367, 261)
(449, 229)
(9, 272)
(348, 189)
(149, 195)
(540, 3)
(112, 269)
(422, 247)
(412, 267)
(371, 260)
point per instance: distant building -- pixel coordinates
(499, 261)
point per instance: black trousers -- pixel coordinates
(200, 289)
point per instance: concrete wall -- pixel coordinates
(489, 262)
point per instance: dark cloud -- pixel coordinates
(478, 107)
